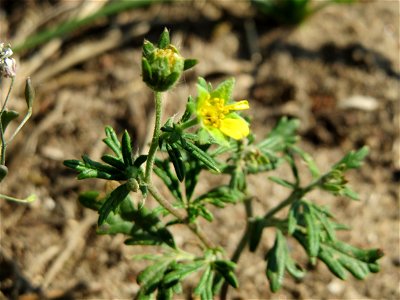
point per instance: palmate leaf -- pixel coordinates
(339, 257)
(314, 227)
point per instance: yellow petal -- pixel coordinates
(240, 105)
(235, 128)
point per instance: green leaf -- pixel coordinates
(348, 192)
(164, 40)
(189, 63)
(163, 171)
(203, 280)
(276, 262)
(339, 257)
(150, 277)
(224, 89)
(148, 48)
(112, 201)
(257, 227)
(205, 213)
(147, 73)
(115, 224)
(206, 159)
(140, 160)
(177, 160)
(90, 200)
(282, 136)
(143, 239)
(325, 223)
(293, 269)
(6, 117)
(193, 169)
(113, 161)
(226, 268)
(282, 182)
(292, 218)
(307, 158)
(365, 255)
(327, 256)
(181, 271)
(204, 287)
(126, 149)
(149, 223)
(222, 193)
(313, 230)
(112, 141)
(353, 159)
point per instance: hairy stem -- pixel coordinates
(154, 142)
(180, 216)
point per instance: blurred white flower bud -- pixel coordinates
(8, 65)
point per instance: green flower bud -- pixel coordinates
(162, 66)
(29, 93)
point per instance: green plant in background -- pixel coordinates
(292, 11)
(8, 70)
(211, 137)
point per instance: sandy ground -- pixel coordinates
(338, 72)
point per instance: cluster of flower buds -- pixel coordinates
(162, 65)
(8, 65)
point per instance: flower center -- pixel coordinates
(213, 111)
(169, 53)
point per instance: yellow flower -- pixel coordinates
(217, 115)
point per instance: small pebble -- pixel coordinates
(336, 287)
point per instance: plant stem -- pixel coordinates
(180, 216)
(27, 116)
(3, 142)
(241, 246)
(154, 141)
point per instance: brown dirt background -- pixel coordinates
(338, 72)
